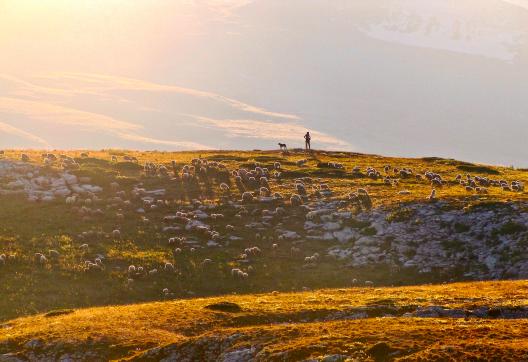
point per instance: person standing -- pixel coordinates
(307, 139)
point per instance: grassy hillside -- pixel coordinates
(464, 321)
(84, 230)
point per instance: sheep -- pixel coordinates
(91, 267)
(153, 272)
(301, 190)
(263, 181)
(168, 267)
(132, 269)
(53, 254)
(294, 251)
(361, 198)
(278, 196)
(277, 166)
(255, 250)
(247, 197)
(312, 259)
(116, 234)
(437, 182)
(238, 273)
(264, 192)
(296, 201)
(205, 263)
(42, 259)
(300, 163)
(432, 196)
(517, 186)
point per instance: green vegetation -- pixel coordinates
(509, 228)
(461, 228)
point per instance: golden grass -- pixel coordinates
(279, 322)
(288, 322)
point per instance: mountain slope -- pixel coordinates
(484, 320)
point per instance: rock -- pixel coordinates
(340, 253)
(346, 235)
(240, 355)
(332, 226)
(10, 357)
(212, 243)
(290, 235)
(34, 344)
(494, 312)
(70, 179)
(334, 358)
(379, 351)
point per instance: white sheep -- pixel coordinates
(432, 196)
(295, 200)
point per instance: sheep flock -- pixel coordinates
(118, 226)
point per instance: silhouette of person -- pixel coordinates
(307, 139)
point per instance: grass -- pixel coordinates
(27, 228)
(293, 326)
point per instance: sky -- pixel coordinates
(445, 78)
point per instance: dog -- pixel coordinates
(283, 146)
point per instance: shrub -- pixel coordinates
(509, 228)
(369, 231)
(478, 169)
(461, 228)
(400, 215)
